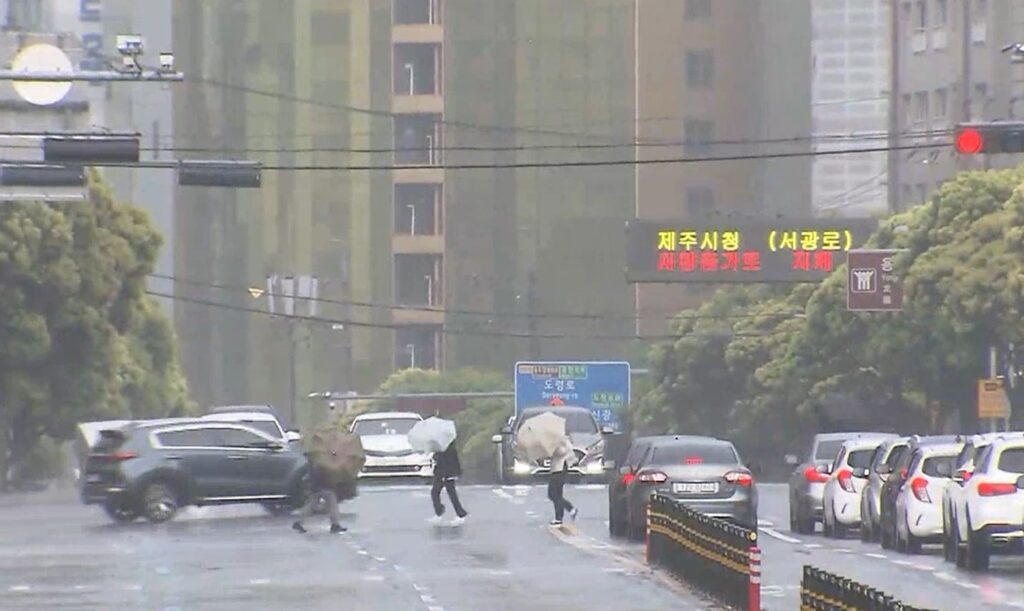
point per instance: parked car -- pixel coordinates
(807, 483)
(953, 497)
(993, 518)
(703, 472)
(841, 499)
(385, 439)
(895, 482)
(154, 468)
(259, 420)
(882, 464)
(249, 411)
(918, 503)
(618, 509)
(586, 436)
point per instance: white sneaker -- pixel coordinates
(434, 519)
(572, 514)
(458, 521)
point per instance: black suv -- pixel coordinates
(154, 468)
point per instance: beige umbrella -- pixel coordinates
(338, 452)
(541, 436)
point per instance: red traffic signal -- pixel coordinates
(969, 141)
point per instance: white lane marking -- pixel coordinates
(969, 586)
(134, 587)
(522, 491)
(765, 523)
(843, 550)
(812, 545)
(373, 578)
(614, 570)
(774, 534)
(590, 487)
(945, 576)
(79, 587)
(924, 567)
(499, 572)
(518, 499)
(435, 608)
(427, 598)
(877, 556)
(363, 552)
(19, 588)
(380, 559)
(531, 514)
(419, 588)
(903, 562)
(258, 582)
(398, 567)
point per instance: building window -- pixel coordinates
(699, 135)
(921, 14)
(979, 101)
(941, 13)
(921, 108)
(417, 139)
(941, 105)
(700, 68)
(407, 12)
(418, 209)
(922, 193)
(418, 280)
(700, 201)
(418, 347)
(697, 10)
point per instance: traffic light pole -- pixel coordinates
(99, 76)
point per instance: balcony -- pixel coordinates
(418, 139)
(416, 71)
(418, 280)
(419, 209)
(418, 34)
(416, 12)
(419, 347)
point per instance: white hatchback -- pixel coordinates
(841, 498)
(385, 439)
(993, 518)
(919, 501)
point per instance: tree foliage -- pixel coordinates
(79, 338)
(745, 366)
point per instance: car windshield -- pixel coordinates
(264, 426)
(576, 421)
(390, 426)
(860, 459)
(828, 449)
(896, 455)
(695, 454)
(1012, 460)
(932, 464)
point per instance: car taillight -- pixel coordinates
(919, 486)
(995, 489)
(627, 479)
(740, 478)
(812, 475)
(116, 456)
(654, 477)
(967, 476)
(845, 478)
(694, 460)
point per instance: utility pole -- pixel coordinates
(993, 373)
(292, 385)
(894, 107)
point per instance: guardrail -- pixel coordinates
(824, 591)
(713, 555)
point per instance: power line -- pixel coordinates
(445, 330)
(168, 165)
(492, 315)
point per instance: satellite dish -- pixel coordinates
(42, 58)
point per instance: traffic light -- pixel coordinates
(41, 175)
(91, 149)
(989, 138)
(220, 173)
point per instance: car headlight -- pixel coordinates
(520, 467)
(596, 448)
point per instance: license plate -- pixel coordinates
(695, 488)
(546, 462)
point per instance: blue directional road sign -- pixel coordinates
(600, 386)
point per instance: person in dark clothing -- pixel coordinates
(446, 469)
(319, 487)
(560, 463)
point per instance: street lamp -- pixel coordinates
(430, 288)
(411, 69)
(411, 350)
(412, 218)
(430, 149)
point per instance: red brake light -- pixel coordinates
(694, 460)
(653, 477)
(628, 478)
(996, 489)
(845, 477)
(116, 456)
(967, 475)
(740, 478)
(812, 475)
(919, 486)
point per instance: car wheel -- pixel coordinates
(911, 544)
(616, 526)
(959, 547)
(885, 534)
(978, 552)
(948, 542)
(794, 521)
(826, 524)
(159, 502)
(120, 512)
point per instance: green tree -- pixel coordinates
(79, 337)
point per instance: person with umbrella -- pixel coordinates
(560, 462)
(320, 488)
(447, 469)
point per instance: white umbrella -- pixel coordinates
(541, 436)
(432, 435)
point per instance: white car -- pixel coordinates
(385, 438)
(993, 517)
(919, 501)
(841, 497)
(261, 421)
(953, 497)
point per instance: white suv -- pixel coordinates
(841, 497)
(385, 439)
(919, 501)
(993, 517)
(261, 421)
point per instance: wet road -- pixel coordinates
(55, 553)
